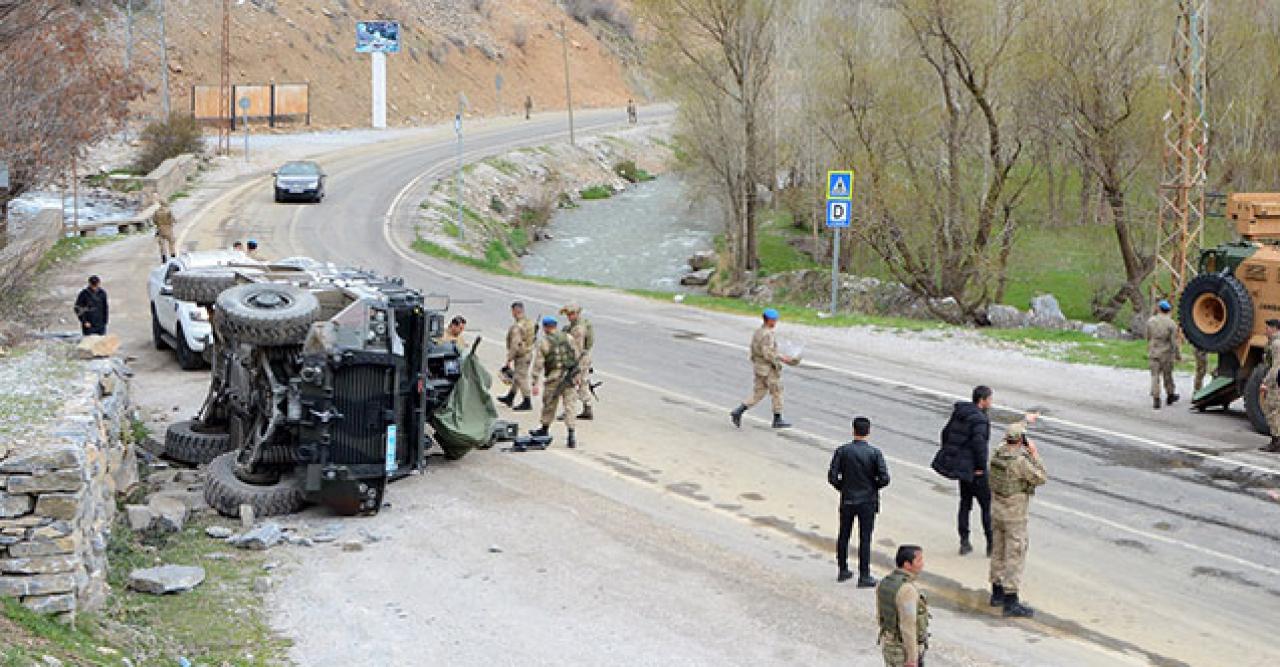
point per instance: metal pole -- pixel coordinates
(246, 139)
(128, 44)
(568, 92)
(164, 67)
(457, 179)
(835, 269)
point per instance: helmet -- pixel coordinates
(770, 314)
(1164, 305)
(550, 321)
(1016, 431)
(571, 308)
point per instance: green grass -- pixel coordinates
(505, 167)
(76, 645)
(775, 253)
(451, 228)
(1079, 348)
(628, 170)
(70, 248)
(181, 194)
(518, 239)
(496, 253)
(435, 250)
(596, 192)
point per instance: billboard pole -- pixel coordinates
(379, 90)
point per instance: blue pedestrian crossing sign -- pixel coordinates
(840, 185)
(837, 213)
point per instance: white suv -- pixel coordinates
(183, 325)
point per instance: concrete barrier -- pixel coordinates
(136, 223)
(170, 177)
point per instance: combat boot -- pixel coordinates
(1273, 446)
(1173, 398)
(572, 441)
(538, 432)
(586, 413)
(866, 581)
(508, 399)
(1015, 609)
(1155, 402)
(997, 595)
(525, 405)
(736, 414)
(965, 547)
(779, 422)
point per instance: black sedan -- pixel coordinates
(301, 180)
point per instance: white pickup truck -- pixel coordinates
(183, 325)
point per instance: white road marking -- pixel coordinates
(1057, 420)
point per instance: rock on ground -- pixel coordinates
(166, 579)
(261, 538)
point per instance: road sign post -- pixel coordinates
(244, 111)
(839, 205)
(378, 38)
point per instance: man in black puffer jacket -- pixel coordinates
(967, 432)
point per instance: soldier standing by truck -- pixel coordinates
(1270, 388)
(556, 358)
(520, 339)
(584, 338)
(766, 364)
(164, 229)
(1162, 353)
(1016, 471)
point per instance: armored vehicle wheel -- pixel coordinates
(201, 286)
(1253, 400)
(185, 443)
(267, 313)
(226, 493)
(1216, 312)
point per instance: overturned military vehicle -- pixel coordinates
(326, 384)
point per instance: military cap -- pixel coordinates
(1164, 305)
(550, 321)
(571, 308)
(770, 314)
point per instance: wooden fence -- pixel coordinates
(274, 103)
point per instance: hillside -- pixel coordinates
(448, 47)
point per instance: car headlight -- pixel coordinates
(199, 314)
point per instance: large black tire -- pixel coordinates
(185, 443)
(1253, 400)
(157, 334)
(1216, 312)
(226, 493)
(266, 314)
(188, 359)
(201, 286)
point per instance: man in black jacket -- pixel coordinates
(858, 472)
(91, 308)
(968, 431)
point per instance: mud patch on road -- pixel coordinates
(684, 334)
(688, 490)
(1132, 544)
(789, 528)
(629, 471)
(1233, 577)
(700, 409)
(727, 507)
(1162, 525)
(751, 495)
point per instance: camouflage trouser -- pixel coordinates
(767, 384)
(166, 244)
(584, 380)
(1161, 369)
(520, 374)
(553, 395)
(1202, 368)
(1008, 552)
(895, 654)
(1271, 408)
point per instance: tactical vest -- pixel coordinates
(887, 608)
(561, 355)
(588, 333)
(1004, 481)
(528, 332)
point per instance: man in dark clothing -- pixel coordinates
(91, 308)
(858, 472)
(968, 431)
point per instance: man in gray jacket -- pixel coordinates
(858, 472)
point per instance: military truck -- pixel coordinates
(326, 384)
(1224, 308)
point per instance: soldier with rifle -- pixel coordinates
(557, 359)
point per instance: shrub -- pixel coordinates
(162, 140)
(596, 192)
(604, 11)
(628, 170)
(496, 205)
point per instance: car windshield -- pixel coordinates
(299, 169)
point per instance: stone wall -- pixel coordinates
(58, 484)
(170, 177)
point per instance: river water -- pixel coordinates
(640, 239)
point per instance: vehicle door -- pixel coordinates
(166, 305)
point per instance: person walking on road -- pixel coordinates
(164, 229)
(1270, 388)
(528, 106)
(520, 339)
(584, 338)
(631, 111)
(858, 472)
(766, 363)
(556, 358)
(965, 437)
(903, 611)
(91, 308)
(1162, 352)
(1016, 471)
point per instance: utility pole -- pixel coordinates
(568, 91)
(128, 43)
(224, 83)
(164, 67)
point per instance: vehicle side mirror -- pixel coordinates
(166, 290)
(275, 174)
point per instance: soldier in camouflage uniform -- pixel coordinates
(1162, 352)
(584, 337)
(520, 340)
(903, 611)
(766, 364)
(1016, 471)
(1270, 390)
(556, 358)
(164, 229)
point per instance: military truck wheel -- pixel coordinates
(226, 493)
(201, 286)
(267, 313)
(1253, 400)
(1216, 312)
(185, 442)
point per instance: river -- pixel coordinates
(640, 239)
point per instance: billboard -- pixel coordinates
(377, 37)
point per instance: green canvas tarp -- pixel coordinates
(466, 419)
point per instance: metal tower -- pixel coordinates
(224, 83)
(1186, 152)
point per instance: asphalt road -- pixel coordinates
(1155, 541)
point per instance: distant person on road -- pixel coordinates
(521, 337)
(91, 308)
(528, 106)
(238, 246)
(584, 338)
(453, 333)
(903, 612)
(556, 358)
(1270, 390)
(164, 228)
(1162, 353)
(252, 251)
(963, 457)
(631, 112)
(1016, 471)
(858, 472)
(766, 364)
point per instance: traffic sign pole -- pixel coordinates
(839, 213)
(835, 270)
